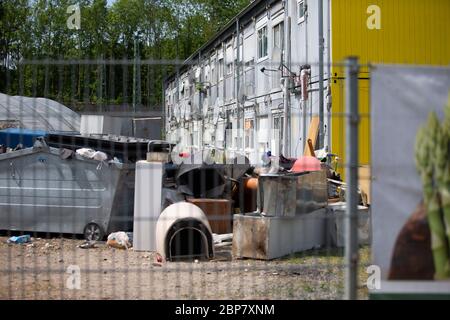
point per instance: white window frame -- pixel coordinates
(220, 68)
(250, 66)
(301, 19)
(229, 69)
(278, 117)
(213, 73)
(280, 26)
(249, 136)
(262, 58)
(207, 72)
(213, 66)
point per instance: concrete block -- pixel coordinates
(267, 238)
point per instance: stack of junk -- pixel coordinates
(184, 199)
(176, 200)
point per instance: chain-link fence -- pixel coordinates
(220, 205)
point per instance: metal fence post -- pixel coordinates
(351, 221)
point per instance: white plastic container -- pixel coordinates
(147, 204)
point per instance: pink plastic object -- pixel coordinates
(306, 164)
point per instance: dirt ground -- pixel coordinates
(41, 270)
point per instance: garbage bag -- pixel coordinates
(119, 240)
(86, 153)
(100, 156)
(20, 239)
(92, 154)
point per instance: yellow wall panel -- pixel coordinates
(412, 32)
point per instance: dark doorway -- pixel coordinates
(187, 240)
(187, 244)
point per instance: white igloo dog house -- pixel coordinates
(183, 232)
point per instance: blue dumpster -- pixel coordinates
(11, 137)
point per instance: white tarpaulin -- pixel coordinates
(401, 101)
(38, 114)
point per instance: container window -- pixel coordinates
(301, 10)
(262, 43)
(249, 134)
(278, 35)
(220, 69)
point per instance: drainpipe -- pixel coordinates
(224, 65)
(286, 94)
(304, 80)
(321, 50)
(240, 114)
(305, 101)
(178, 89)
(200, 133)
(133, 126)
(163, 101)
(224, 93)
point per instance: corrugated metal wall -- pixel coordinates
(412, 32)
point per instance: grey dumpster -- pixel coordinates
(43, 191)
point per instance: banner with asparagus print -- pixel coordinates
(410, 123)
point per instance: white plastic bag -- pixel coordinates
(86, 153)
(118, 240)
(99, 156)
(92, 154)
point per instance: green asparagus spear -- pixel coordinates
(428, 143)
(443, 171)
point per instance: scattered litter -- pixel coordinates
(159, 258)
(100, 156)
(196, 261)
(92, 154)
(115, 160)
(119, 240)
(223, 245)
(86, 153)
(87, 245)
(157, 264)
(66, 154)
(219, 238)
(20, 239)
(321, 154)
(130, 238)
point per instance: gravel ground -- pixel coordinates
(39, 270)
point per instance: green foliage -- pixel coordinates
(164, 29)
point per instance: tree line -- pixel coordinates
(95, 64)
